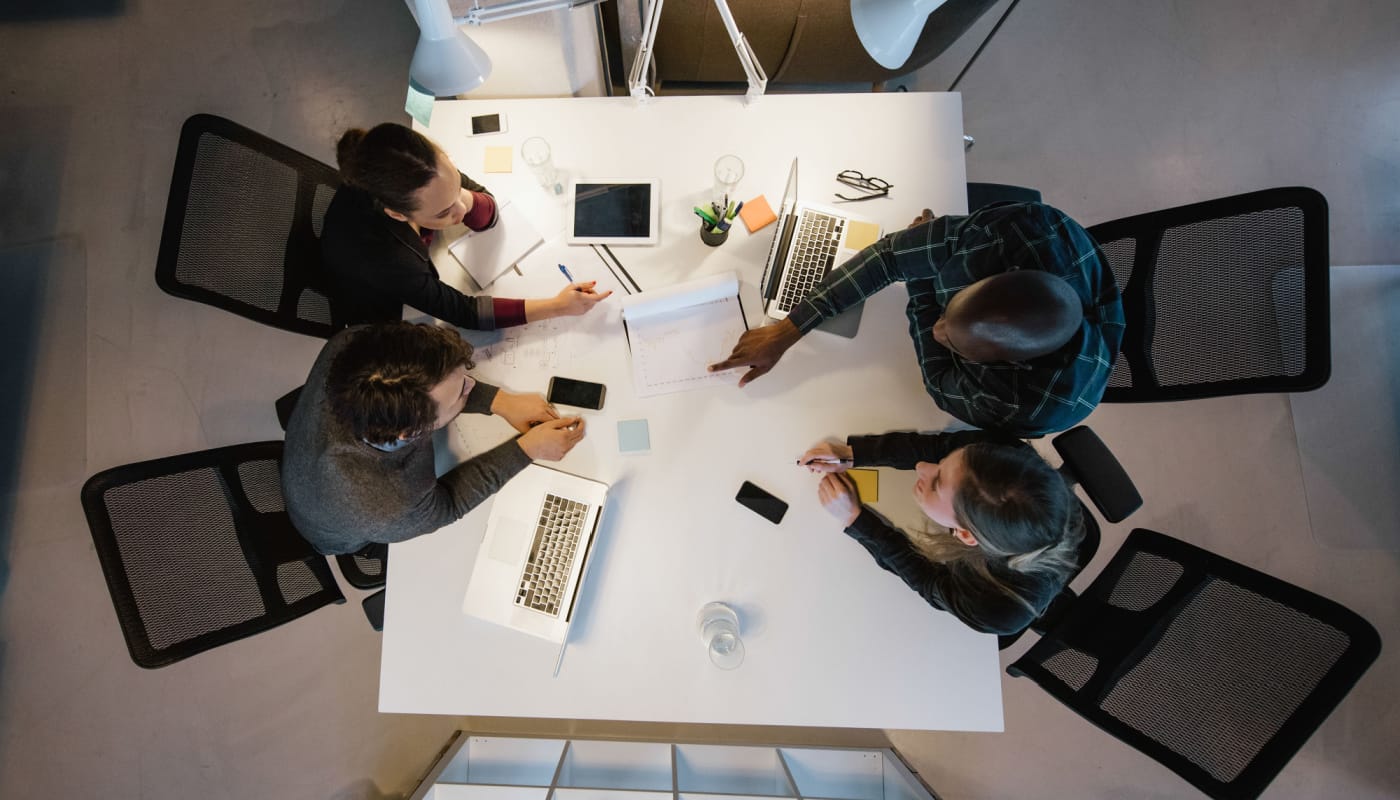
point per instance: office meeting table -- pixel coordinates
(831, 639)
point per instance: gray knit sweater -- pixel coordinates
(343, 494)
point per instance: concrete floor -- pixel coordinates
(1108, 109)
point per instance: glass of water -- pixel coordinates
(729, 170)
(537, 155)
(719, 630)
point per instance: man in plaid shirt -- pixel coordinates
(1014, 314)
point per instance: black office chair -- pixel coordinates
(1217, 671)
(1224, 297)
(285, 405)
(1089, 464)
(243, 225)
(374, 609)
(198, 551)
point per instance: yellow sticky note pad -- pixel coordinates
(867, 483)
(498, 159)
(860, 235)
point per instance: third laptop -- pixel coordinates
(810, 241)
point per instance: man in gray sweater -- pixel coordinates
(358, 463)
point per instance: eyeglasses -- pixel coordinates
(873, 187)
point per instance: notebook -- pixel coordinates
(534, 557)
(676, 333)
(486, 254)
(809, 241)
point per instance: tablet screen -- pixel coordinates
(613, 210)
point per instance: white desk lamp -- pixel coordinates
(637, 77)
(445, 62)
(889, 29)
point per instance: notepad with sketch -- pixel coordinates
(486, 254)
(675, 333)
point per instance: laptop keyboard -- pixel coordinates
(813, 254)
(551, 555)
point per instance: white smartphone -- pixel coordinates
(488, 123)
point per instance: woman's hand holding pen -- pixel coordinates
(572, 300)
(827, 457)
(838, 495)
(578, 298)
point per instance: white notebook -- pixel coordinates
(675, 333)
(486, 254)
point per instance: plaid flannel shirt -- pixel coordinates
(938, 259)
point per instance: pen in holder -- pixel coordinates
(714, 224)
(713, 237)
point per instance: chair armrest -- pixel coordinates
(1089, 463)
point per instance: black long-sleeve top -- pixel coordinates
(375, 265)
(951, 587)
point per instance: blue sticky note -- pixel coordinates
(419, 105)
(633, 436)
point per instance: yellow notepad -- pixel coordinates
(867, 483)
(498, 159)
(860, 235)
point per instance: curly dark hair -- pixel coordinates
(378, 385)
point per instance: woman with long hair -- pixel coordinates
(400, 189)
(1008, 525)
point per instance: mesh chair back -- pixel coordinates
(1224, 297)
(243, 225)
(1215, 670)
(198, 551)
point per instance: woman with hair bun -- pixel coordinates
(400, 189)
(1008, 526)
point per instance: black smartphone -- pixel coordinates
(761, 503)
(569, 392)
(488, 123)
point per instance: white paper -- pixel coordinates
(677, 332)
(486, 254)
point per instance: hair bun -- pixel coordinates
(348, 144)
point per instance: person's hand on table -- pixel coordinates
(552, 440)
(760, 349)
(827, 457)
(572, 300)
(522, 411)
(839, 497)
(922, 218)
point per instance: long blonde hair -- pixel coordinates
(1022, 513)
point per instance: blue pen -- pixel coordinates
(565, 270)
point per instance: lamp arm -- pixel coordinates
(478, 15)
(637, 75)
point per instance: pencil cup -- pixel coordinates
(713, 238)
(719, 630)
(536, 153)
(729, 170)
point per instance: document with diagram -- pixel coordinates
(675, 333)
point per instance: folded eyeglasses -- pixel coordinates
(873, 187)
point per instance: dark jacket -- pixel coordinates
(374, 265)
(951, 587)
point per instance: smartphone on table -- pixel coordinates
(582, 394)
(483, 124)
(761, 503)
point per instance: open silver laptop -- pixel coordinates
(810, 240)
(534, 557)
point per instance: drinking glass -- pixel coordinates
(719, 630)
(536, 153)
(729, 170)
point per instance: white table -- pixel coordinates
(832, 640)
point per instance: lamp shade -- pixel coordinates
(889, 29)
(445, 62)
